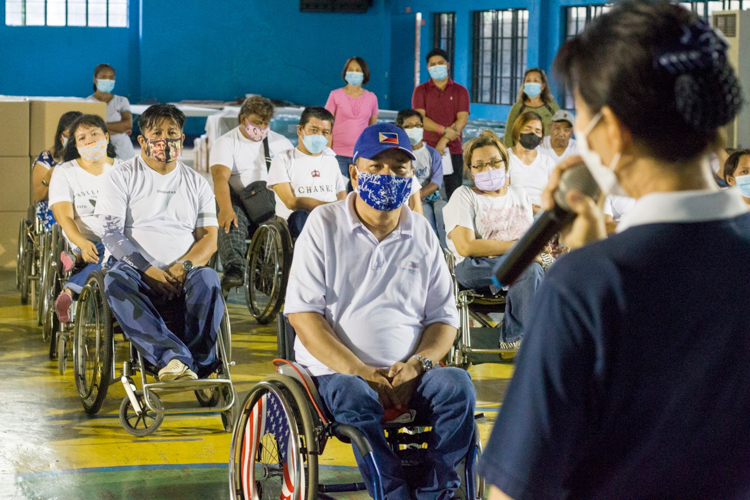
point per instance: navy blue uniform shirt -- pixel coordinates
(633, 380)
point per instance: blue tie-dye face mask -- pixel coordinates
(383, 192)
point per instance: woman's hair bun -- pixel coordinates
(707, 92)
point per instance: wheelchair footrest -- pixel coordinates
(486, 339)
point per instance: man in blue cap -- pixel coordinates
(371, 300)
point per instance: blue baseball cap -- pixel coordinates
(380, 137)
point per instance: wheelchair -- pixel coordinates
(269, 259)
(476, 344)
(96, 341)
(59, 335)
(28, 257)
(282, 430)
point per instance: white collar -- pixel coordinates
(684, 206)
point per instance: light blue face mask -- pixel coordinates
(315, 143)
(354, 78)
(743, 182)
(439, 72)
(105, 86)
(532, 89)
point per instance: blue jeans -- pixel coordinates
(344, 162)
(445, 396)
(296, 222)
(476, 273)
(78, 280)
(433, 212)
(184, 328)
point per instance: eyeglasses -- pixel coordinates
(496, 163)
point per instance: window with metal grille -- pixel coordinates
(444, 35)
(705, 9)
(499, 55)
(576, 20)
(93, 13)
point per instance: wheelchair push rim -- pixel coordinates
(20, 253)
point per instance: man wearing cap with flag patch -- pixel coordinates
(559, 144)
(371, 300)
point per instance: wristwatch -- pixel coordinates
(186, 265)
(426, 362)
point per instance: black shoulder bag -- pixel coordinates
(258, 200)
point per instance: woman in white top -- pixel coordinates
(73, 192)
(483, 224)
(529, 168)
(119, 117)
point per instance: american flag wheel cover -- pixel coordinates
(266, 425)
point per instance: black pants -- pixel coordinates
(454, 180)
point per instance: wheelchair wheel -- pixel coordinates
(144, 424)
(273, 451)
(19, 253)
(93, 345)
(44, 260)
(27, 261)
(267, 269)
(472, 484)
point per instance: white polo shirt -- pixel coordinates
(377, 296)
(533, 178)
(617, 206)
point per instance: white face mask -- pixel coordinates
(604, 176)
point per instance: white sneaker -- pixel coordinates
(510, 345)
(176, 370)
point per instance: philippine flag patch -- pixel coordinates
(388, 137)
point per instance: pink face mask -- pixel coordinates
(490, 180)
(256, 134)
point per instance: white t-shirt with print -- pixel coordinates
(546, 148)
(318, 177)
(160, 211)
(617, 206)
(115, 108)
(501, 218)
(533, 178)
(244, 157)
(70, 182)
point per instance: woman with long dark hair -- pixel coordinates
(44, 166)
(73, 192)
(633, 380)
(119, 116)
(534, 96)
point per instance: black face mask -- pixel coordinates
(530, 141)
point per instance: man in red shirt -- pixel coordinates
(445, 107)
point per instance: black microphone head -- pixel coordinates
(576, 177)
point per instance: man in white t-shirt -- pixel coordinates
(559, 144)
(371, 300)
(238, 159)
(159, 224)
(305, 177)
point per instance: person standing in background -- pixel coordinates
(119, 117)
(534, 96)
(444, 104)
(353, 109)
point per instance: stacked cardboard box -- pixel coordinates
(27, 127)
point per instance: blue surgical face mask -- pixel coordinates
(105, 86)
(354, 78)
(383, 192)
(315, 143)
(532, 89)
(438, 72)
(743, 182)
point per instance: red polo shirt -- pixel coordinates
(442, 107)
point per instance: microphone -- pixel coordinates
(549, 223)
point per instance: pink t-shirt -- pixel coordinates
(352, 117)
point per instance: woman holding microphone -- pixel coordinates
(633, 380)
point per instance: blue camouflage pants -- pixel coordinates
(184, 328)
